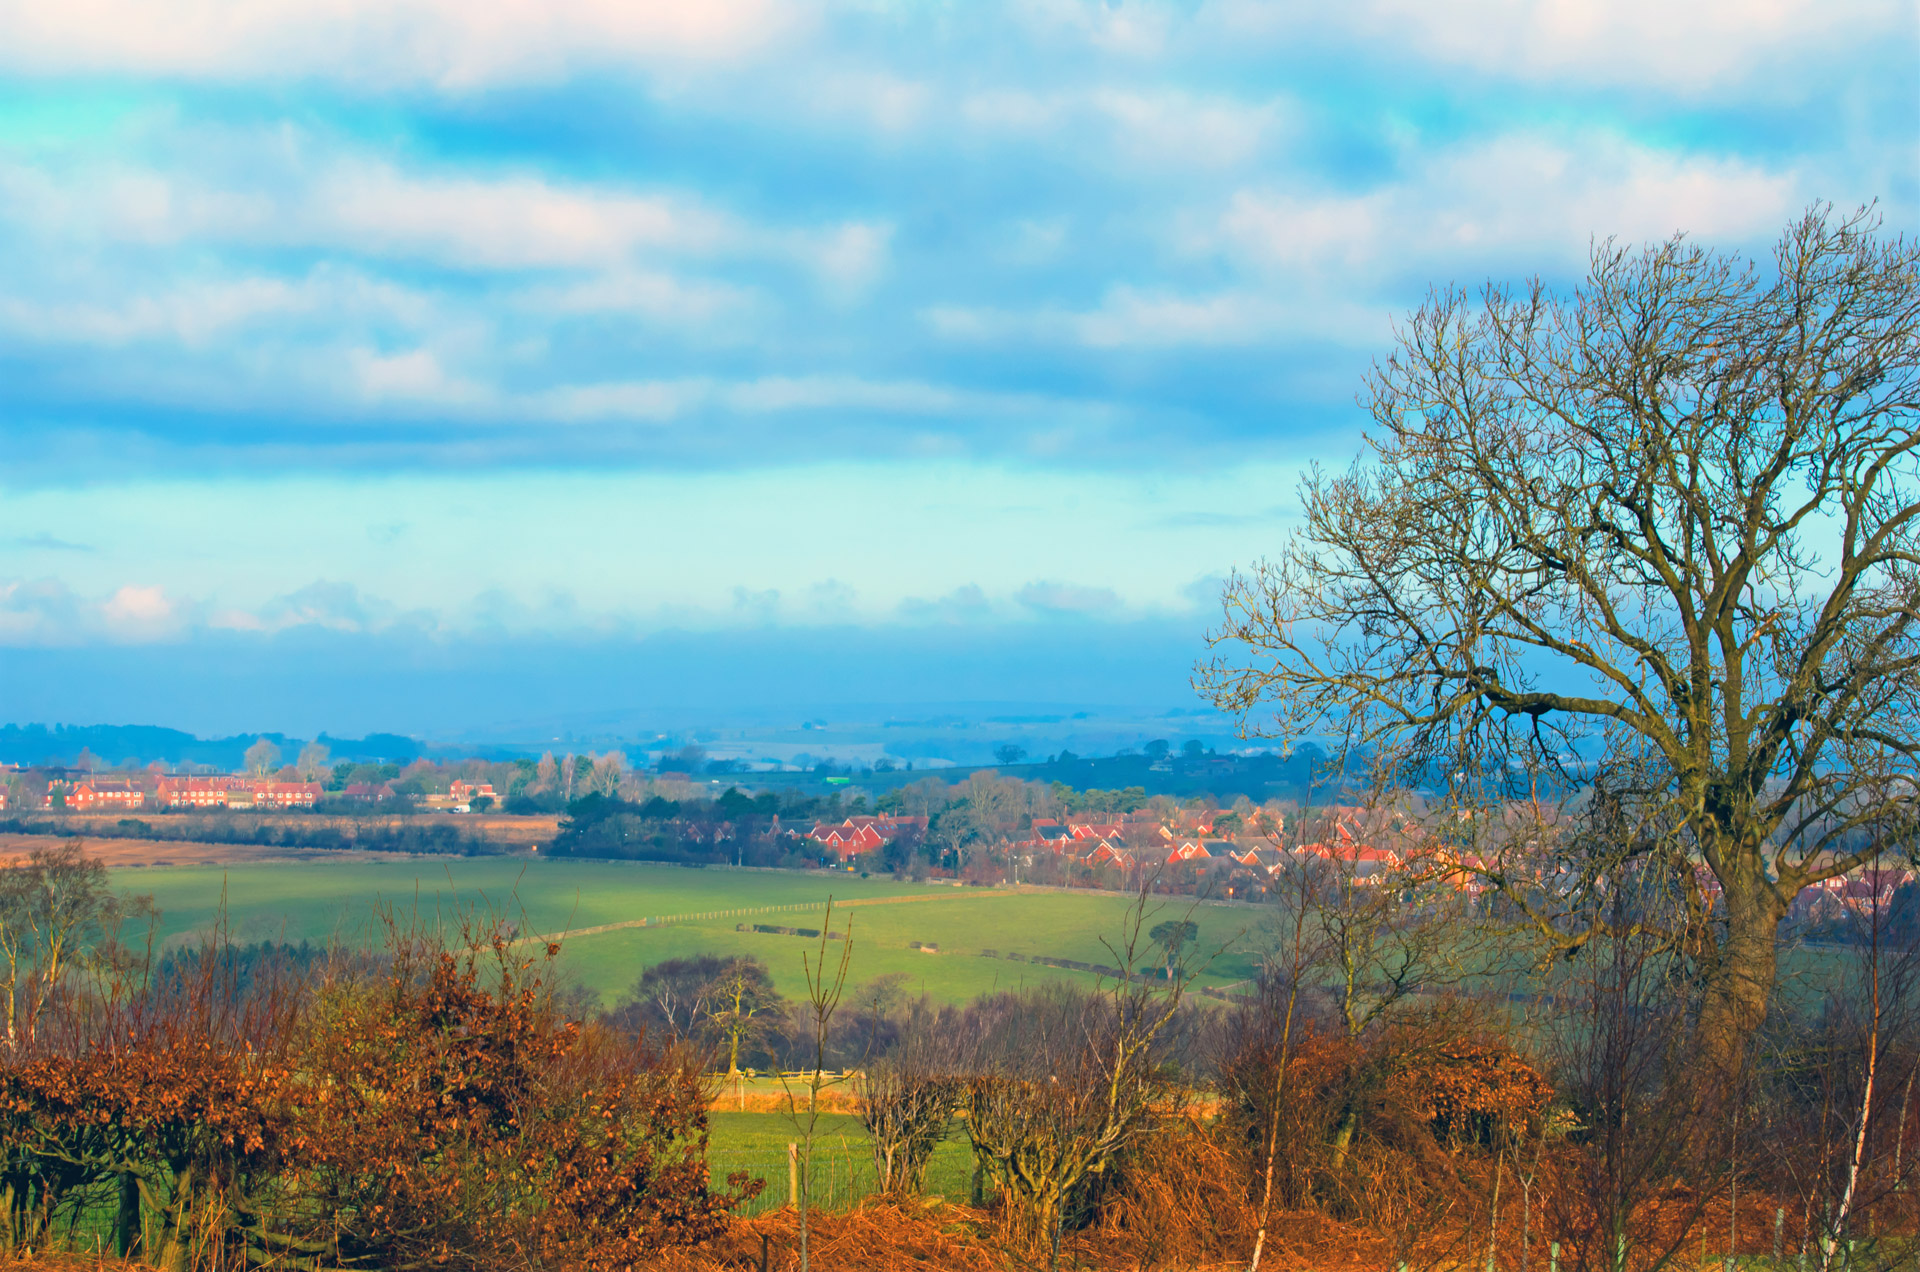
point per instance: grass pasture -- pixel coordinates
(842, 1159)
(323, 900)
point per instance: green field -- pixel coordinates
(842, 1160)
(324, 901)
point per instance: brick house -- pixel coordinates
(97, 796)
(1106, 852)
(863, 833)
(285, 794)
(191, 792)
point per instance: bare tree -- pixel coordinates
(53, 906)
(312, 762)
(824, 990)
(907, 1099)
(261, 758)
(738, 1002)
(1668, 526)
(1069, 1085)
(1631, 1081)
(1296, 952)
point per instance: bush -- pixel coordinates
(428, 1107)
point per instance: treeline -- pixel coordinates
(736, 828)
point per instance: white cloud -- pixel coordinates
(1067, 598)
(849, 259)
(282, 189)
(666, 399)
(649, 294)
(800, 393)
(329, 606)
(48, 612)
(199, 313)
(965, 604)
(504, 222)
(139, 610)
(1334, 266)
(447, 43)
(1513, 200)
(37, 611)
(415, 375)
(1149, 125)
(1135, 318)
(1700, 46)
(1199, 131)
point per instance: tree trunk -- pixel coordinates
(1343, 1137)
(126, 1219)
(1738, 986)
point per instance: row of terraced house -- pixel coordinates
(98, 795)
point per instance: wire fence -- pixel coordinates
(842, 1175)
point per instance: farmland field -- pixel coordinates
(324, 900)
(842, 1165)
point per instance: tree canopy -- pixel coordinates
(1658, 537)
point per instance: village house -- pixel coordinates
(1107, 852)
(1862, 893)
(286, 794)
(1052, 836)
(95, 795)
(192, 792)
(863, 833)
(1188, 849)
(113, 794)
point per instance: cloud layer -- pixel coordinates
(425, 233)
(431, 325)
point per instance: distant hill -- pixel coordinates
(144, 743)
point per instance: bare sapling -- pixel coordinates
(1629, 1077)
(824, 990)
(1872, 917)
(1299, 950)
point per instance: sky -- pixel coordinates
(422, 365)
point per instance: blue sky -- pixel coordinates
(498, 330)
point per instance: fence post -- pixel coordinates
(1553, 1256)
(793, 1175)
(1779, 1233)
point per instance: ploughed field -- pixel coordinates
(967, 938)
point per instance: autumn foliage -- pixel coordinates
(425, 1108)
